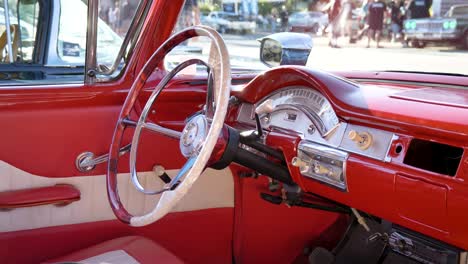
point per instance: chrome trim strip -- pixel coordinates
(306, 151)
(91, 42)
(130, 37)
(387, 156)
(8, 31)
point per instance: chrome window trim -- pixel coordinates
(8, 31)
(126, 49)
(91, 42)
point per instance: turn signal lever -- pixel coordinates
(234, 152)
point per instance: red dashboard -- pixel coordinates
(394, 188)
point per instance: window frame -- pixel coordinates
(94, 73)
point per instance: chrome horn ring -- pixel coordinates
(142, 123)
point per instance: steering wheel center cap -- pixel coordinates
(193, 136)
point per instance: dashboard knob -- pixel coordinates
(298, 162)
(362, 139)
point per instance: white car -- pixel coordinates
(308, 21)
(229, 22)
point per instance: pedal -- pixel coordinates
(378, 237)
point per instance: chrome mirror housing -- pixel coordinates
(285, 48)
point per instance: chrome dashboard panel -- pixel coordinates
(322, 163)
(381, 141)
(307, 102)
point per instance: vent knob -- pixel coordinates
(362, 139)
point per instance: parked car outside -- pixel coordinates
(308, 21)
(67, 40)
(225, 22)
(451, 29)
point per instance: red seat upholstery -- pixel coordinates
(141, 249)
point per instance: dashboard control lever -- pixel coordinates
(161, 173)
(300, 203)
(273, 185)
(271, 198)
(264, 108)
(87, 161)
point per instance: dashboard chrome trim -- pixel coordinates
(313, 155)
(378, 150)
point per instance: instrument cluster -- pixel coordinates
(326, 140)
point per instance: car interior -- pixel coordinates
(138, 163)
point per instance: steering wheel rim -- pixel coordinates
(219, 63)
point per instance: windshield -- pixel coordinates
(374, 35)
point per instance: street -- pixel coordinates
(244, 54)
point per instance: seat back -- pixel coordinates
(4, 52)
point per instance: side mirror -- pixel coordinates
(285, 48)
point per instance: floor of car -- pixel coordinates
(360, 246)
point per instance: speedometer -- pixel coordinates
(295, 106)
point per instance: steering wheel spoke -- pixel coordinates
(182, 172)
(161, 130)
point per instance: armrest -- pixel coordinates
(60, 194)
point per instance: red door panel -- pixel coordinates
(43, 131)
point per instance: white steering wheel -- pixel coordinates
(197, 140)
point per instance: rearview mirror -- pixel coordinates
(285, 49)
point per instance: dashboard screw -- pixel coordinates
(311, 129)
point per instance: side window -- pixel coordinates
(114, 24)
(460, 11)
(18, 30)
(71, 41)
(44, 41)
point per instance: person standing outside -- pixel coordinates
(396, 18)
(284, 15)
(114, 17)
(273, 17)
(334, 9)
(376, 17)
(191, 13)
(346, 18)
